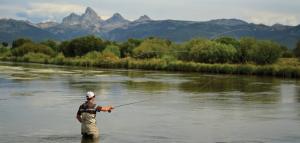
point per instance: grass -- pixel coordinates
(285, 67)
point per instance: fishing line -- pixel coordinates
(151, 98)
(204, 85)
(131, 103)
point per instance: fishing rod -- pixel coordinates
(131, 103)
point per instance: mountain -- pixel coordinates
(228, 22)
(11, 29)
(116, 21)
(119, 29)
(87, 23)
(180, 31)
(44, 25)
(142, 19)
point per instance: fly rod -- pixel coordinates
(131, 103)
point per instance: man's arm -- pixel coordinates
(78, 116)
(104, 108)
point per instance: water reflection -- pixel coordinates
(90, 140)
(297, 95)
(227, 84)
(146, 86)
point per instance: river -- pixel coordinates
(38, 104)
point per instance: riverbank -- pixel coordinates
(284, 68)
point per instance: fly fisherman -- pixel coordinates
(86, 115)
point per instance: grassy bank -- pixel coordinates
(224, 55)
(284, 68)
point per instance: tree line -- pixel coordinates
(220, 50)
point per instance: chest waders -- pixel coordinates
(88, 124)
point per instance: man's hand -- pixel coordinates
(79, 118)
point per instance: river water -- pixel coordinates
(38, 104)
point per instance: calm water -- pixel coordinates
(38, 105)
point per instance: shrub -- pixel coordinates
(112, 49)
(126, 48)
(246, 44)
(81, 46)
(296, 51)
(209, 51)
(152, 48)
(36, 58)
(19, 42)
(228, 41)
(265, 52)
(31, 48)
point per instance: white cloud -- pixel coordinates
(51, 8)
(270, 18)
(38, 12)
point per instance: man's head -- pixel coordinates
(90, 95)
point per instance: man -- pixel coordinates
(86, 115)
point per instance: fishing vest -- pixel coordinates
(88, 116)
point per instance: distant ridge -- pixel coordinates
(119, 28)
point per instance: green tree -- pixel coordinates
(183, 50)
(152, 48)
(126, 48)
(20, 42)
(228, 41)
(81, 46)
(212, 52)
(4, 44)
(296, 51)
(52, 44)
(286, 52)
(246, 44)
(112, 49)
(32, 48)
(265, 52)
(63, 46)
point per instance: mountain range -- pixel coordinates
(118, 28)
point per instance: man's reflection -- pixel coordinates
(90, 140)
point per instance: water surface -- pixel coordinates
(38, 104)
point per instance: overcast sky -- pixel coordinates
(257, 11)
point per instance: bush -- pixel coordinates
(209, 52)
(265, 52)
(296, 51)
(52, 44)
(31, 48)
(81, 46)
(36, 58)
(20, 42)
(126, 48)
(228, 41)
(243, 55)
(112, 49)
(152, 48)
(4, 44)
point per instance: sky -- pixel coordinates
(267, 12)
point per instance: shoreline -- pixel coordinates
(274, 70)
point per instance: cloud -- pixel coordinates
(53, 8)
(37, 12)
(270, 18)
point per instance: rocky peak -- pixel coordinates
(72, 19)
(90, 13)
(88, 20)
(143, 19)
(116, 18)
